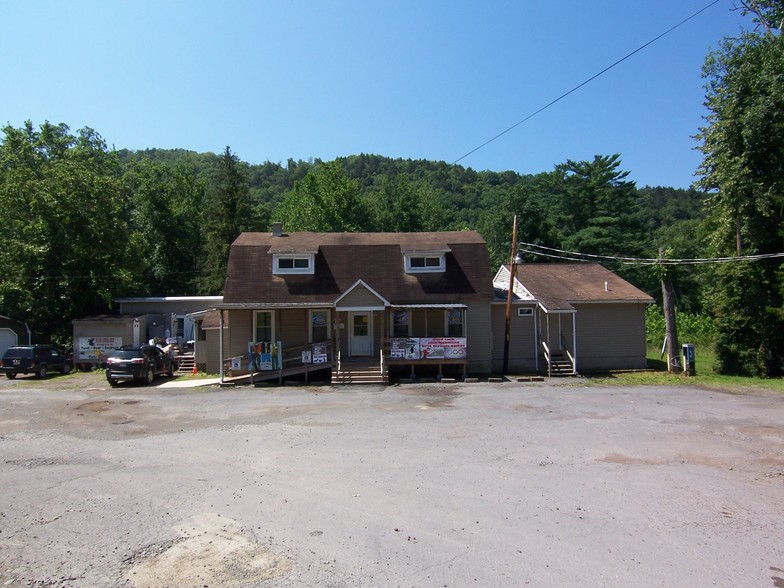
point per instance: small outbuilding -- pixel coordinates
(12, 333)
(139, 320)
(569, 318)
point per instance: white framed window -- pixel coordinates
(293, 263)
(525, 311)
(401, 323)
(320, 328)
(263, 326)
(454, 322)
(425, 262)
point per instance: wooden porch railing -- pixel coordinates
(548, 359)
(291, 361)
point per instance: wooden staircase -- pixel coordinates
(358, 372)
(185, 363)
(560, 365)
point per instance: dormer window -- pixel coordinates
(292, 264)
(425, 262)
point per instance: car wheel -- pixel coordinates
(112, 382)
(66, 369)
(150, 375)
(41, 373)
(10, 376)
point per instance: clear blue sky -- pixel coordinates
(409, 78)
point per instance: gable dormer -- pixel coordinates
(291, 258)
(425, 262)
(293, 263)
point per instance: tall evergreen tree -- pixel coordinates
(228, 213)
(597, 208)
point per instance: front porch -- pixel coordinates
(357, 344)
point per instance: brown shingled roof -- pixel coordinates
(556, 285)
(341, 259)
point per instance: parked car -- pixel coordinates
(34, 359)
(143, 363)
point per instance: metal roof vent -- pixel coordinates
(277, 229)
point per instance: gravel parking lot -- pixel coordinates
(508, 484)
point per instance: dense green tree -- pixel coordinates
(163, 206)
(63, 245)
(324, 200)
(534, 225)
(228, 212)
(743, 168)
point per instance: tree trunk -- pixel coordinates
(673, 349)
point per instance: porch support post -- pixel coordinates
(536, 339)
(574, 342)
(220, 344)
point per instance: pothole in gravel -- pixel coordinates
(210, 551)
(96, 406)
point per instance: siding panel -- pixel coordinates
(610, 336)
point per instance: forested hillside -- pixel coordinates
(84, 225)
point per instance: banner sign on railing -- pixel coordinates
(319, 353)
(428, 348)
(264, 356)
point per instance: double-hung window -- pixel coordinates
(401, 323)
(319, 326)
(263, 327)
(454, 323)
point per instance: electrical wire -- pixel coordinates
(544, 251)
(589, 80)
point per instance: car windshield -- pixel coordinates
(19, 352)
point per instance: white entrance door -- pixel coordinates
(361, 334)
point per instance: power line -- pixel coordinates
(543, 251)
(577, 87)
(103, 276)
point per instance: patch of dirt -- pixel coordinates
(96, 406)
(210, 551)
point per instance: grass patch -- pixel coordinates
(705, 377)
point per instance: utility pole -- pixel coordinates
(671, 328)
(512, 264)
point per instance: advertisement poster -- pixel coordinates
(428, 348)
(264, 356)
(97, 348)
(443, 348)
(412, 348)
(320, 353)
(397, 348)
